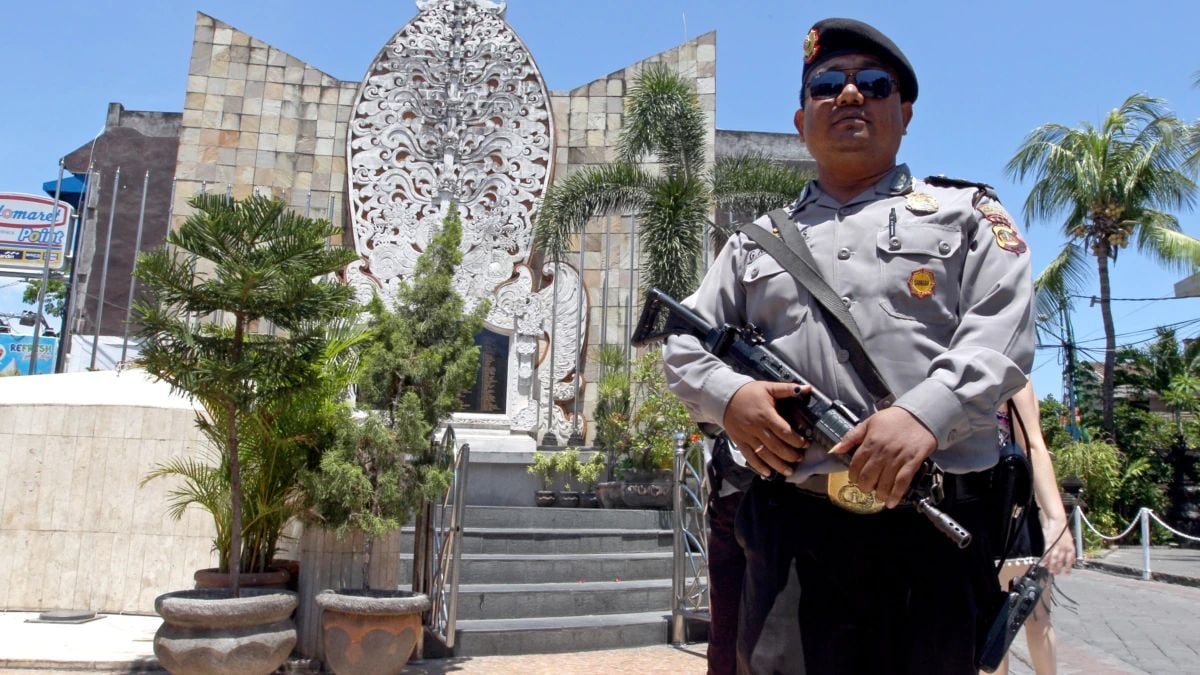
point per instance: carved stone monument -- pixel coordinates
(454, 110)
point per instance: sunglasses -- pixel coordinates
(870, 82)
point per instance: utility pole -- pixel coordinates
(1069, 367)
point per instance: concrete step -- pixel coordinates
(540, 541)
(552, 517)
(545, 580)
(521, 601)
(509, 568)
(551, 635)
(579, 540)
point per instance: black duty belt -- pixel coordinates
(957, 487)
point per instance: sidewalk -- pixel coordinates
(123, 643)
(1167, 563)
(1118, 626)
(115, 642)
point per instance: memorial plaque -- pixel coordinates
(490, 393)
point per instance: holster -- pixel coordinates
(725, 469)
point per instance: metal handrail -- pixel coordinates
(689, 596)
(439, 548)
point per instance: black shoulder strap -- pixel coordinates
(946, 181)
(1005, 482)
(791, 252)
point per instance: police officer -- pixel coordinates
(937, 280)
(726, 561)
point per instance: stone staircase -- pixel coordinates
(544, 580)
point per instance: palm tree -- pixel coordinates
(1115, 184)
(663, 118)
(1194, 132)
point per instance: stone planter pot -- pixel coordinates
(210, 632)
(546, 497)
(647, 490)
(370, 632)
(276, 577)
(609, 494)
(568, 499)
(293, 569)
(589, 500)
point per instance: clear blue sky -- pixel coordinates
(989, 73)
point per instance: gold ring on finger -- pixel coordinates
(759, 449)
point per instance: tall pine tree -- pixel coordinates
(233, 266)
(422, 359)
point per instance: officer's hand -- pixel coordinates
(764, 438)
(891, 444)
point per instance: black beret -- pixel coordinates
(834, 37)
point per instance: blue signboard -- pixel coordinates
(14, 354)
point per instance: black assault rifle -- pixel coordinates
(823, 420)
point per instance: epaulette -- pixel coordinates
(946, 181)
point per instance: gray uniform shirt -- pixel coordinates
(941, 292)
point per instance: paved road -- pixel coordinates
(1116, 625)
(1122, 625)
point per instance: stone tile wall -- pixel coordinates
(76, 530)
(258, 119)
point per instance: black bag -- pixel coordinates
(1012, 488)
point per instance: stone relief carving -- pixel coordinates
(454, 110)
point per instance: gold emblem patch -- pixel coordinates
(920, 203)
(1007, 238)
(993, 210)
(846, 495)
(810, 46)
(921, 282)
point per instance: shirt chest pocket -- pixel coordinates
(920, 268)
(775, 302)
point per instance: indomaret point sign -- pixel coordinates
(30, 227)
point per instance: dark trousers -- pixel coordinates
(726, 565)
(882, 593)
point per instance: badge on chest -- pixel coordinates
(921, 203)
(922, 282)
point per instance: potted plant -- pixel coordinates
(544, 466)
(612, 419)
(567, 463)
(588, 475)
(421, 361)
(656, 417)
(366, 484)
(208, 294)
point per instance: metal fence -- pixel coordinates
(689, 578)
(1143, 517)
(437, 552)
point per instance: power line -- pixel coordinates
(1095, 298)
(1097, 353)
(1178, 324)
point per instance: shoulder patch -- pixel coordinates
(1002, 227)
(946, 181)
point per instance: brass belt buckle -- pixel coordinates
(846, 495)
